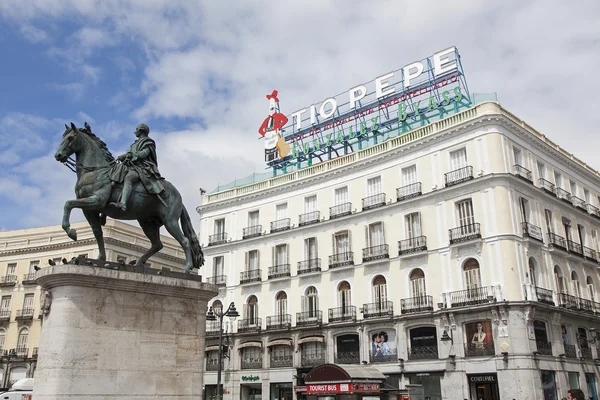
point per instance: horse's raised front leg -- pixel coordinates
(93, 218)
(85, 203)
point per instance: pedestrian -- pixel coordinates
(575, 394)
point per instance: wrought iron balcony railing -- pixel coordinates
(22, 352)
(280, 225)
(26, 313)
(252, 231)
(309, 318)
(458, 176)
(5, 315)
(279, 321)
(471, 297)
(479, 349)
(544, 296)
(417, 304)
(374, 201)
(423, 353)
(574, 247)
(586, 352)
(532, 231)
(465, 233)
(309, 218)
(547, 186)
(378, 310)
(279, 271)
(249, 325)
(412, 245)
(281, 361)
(523, 172)
(570, 351)
(385, 356)
(29, 279)
(341, 259)
(587, 305)
(590, 254)
(408, 191)
(8, 280)
(252, 363)
(212, 365)
(579, 203)
(544, 347)
(253, 275)
(308, 266)
(568, 301)
(217, 238)
(349, 357)
(376, 252)
(219, 280)
(342, 314)
(312, 358)
(557, 241)
(212, 328)
(563, 194)
(340, 210)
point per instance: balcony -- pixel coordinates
(575, 248)
(417, 304)
(29, 279)
(281, 361)
(570, 351)
(252, 363)
(587, 305)
(590, 254)
(544, 296)
(523, 173)
(472, 297)
(349, 357)
(465, 233)
(341, 259)
(254, 275)
(5, 315)
(412, 245)
(340, 210)
(212, 365)
(219, 280)
(532, 231)
(252, 231)
(579, 203)
(479, 349)
(593, 210)
(217, 238)
(378, 310)
(544, 347)
(249, 325)
(279, 271)
(308, 266)
(391, 357)
(563, 195)
(24, 314)
(280, 321)
(22, 352)
(312, 358)
(408, 191)
(568, 301)
(309, 318)
(280, 225)
(342, 314)
(376, 252)
(556, 241)
(458, 176)
(309, 218)
(423, 353)
(547, 186)
(8, 280)
(212, 328)
(586, 352)
(374, 201)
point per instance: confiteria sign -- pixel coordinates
(394, 103)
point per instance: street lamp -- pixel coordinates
(211, 315)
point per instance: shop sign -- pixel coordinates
(250, 378)
(343, 388)
(488, 378)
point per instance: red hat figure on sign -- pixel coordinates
(269, 129)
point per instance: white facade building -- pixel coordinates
(475, 228)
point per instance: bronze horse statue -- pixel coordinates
(95, 192)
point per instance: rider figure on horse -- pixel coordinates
(141, 164)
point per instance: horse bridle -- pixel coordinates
(73, 164)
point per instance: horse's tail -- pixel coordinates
(188, 231)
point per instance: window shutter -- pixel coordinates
(287, 254)
(247, 261)
(257, 259)
(367, 236)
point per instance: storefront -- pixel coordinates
(251, 387)
(430, 381)
(483, 386)
(281, 391)
(348, 382)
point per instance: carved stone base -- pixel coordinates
(114, 334)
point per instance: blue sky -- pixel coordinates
(197, 72)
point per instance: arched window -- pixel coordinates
(345, 297)
(472, 276)
(380, 291)
(417, 283)
(310, 302)
(559, 280)
(532, 276)
(2, 338)
(281, 303)
(251, 311)
(23, 339)
(217, 306)
(591, 290)
(575, 284)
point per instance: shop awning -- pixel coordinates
(250, 344)
(212, 348)
(337, 373)
(311, 339)
(280, 342)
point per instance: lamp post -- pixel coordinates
(212, 315)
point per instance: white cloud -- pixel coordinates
(33, 34)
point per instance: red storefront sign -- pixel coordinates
(343, 388)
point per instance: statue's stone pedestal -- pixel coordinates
(121, 335)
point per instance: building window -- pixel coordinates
(281, 211)
(573, 380)
(549, 385)
(558, 179)
(32, 266)
(252, 262)
(212, 360)
(310, 302)
(11, 269)
(310, 204)
(380, 291)
(341, 195)
(417, 283)
(5, 306)
(549, 221)
(541, 338)
(2, 338)
(472, 275)
(409, 175)
(594, 240)
(252, 356)
(341, 242)
(281, 304)
(281, 356)
(559, 280)
(28, 304)
(466, 217)
(587, 196)
(573, 186)
(373, 186)
(518, 156)
(23, 339)
(345, 297)
(218, 266)
(413, 225)
(524, 204)
(423, 343)
(458, 159)
(532, 279)
(312, 353)
(310, 249)
(253, 218)
(575, 284)
(541, 170)
(590, 287)
(251, 312)
(280, 255)
(375, 235)
(582, 235)
(220, 226)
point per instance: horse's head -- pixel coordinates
(71, 143)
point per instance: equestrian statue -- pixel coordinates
(127, 188)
